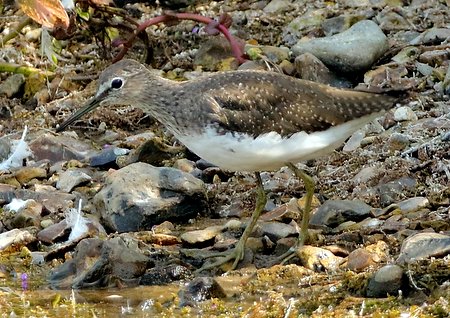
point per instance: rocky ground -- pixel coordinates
(116, 201)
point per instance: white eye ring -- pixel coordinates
(116, 83)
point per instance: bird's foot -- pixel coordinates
(235, 255)
(292, 251)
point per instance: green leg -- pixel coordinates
(237, 254)
(303, 236)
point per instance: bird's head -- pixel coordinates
(118, 85)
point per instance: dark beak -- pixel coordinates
(92, 104)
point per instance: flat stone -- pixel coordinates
(318, 259)
(422, 246)
(60, 148)
(16, 238)
(201, 236)
(353, 50)
(71, 178)
(26, 174)
(140, 195)
(53, 232)
(334, 212)
(397, 142)
(277, 230)
(413, 204)
(277, 6)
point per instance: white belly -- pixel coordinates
(269, 151)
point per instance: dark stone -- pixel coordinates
(140, 195)
(422, 246)
(98, 264)
(200, 289)
(165, 275)
(334, 212)
(388, 280)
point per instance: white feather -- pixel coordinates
(269, 151)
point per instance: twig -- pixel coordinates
(25, 70)
(23, 23)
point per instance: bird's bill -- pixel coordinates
(91, 105)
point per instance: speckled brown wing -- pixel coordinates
(260, 102)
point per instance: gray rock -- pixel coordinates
(334, 212)
(12, 85)
(422, 246)
(311, 68)
(413, 204)
(71, 178)
(366, 174)
(432, 36)
(59, 148)
(98, 263)
(388, 280)
(353, 50)
(277, 230)
(397, 141)
(140, 195)
(393, 191)
(404, 113)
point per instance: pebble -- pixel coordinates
(360, 259)
(366, 174)
(397, 142)
(277, 230)
(72, 178)
(198, 237)
(318, 259)
(273, 53)
(388, 280)
(311, 68)
(404, 113)
(353, 50)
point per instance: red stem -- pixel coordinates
(235, 47)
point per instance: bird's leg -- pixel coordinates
(303, 236)
(237, 254)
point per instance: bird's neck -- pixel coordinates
(160, 99)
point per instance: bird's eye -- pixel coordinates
(116, 83)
